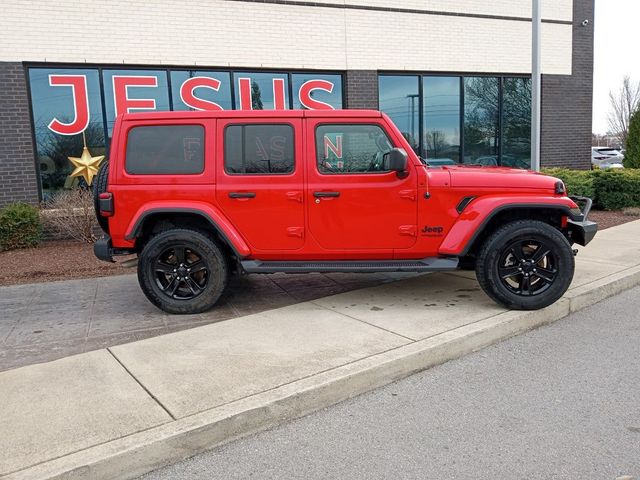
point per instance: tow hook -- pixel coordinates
(575, 252)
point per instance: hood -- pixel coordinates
(499, 177)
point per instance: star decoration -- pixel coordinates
(86, 166)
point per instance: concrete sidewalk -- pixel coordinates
(46, 321)
(120, 412)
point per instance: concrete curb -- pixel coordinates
(134, 455)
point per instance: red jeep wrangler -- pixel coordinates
(198, 195)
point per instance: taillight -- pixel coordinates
(105, 204)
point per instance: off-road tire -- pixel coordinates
(100, 186)
(196, 243)
(498, 247)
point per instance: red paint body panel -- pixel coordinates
(472, 218)
(273, 220)
(376, 216)
(372, 208)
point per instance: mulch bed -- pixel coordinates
(54, 260)
(66, 260)
(610, 218)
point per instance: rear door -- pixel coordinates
(259, 179)
(353, 203)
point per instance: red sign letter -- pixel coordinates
(244, 91)
(305, 94)
(190, 100)
(78, 84)
(246, 97)
(330, 147)
(278, 94)
(122, 101)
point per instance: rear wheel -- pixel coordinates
(182, 271)
(525, 265)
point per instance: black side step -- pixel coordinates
(430, 264)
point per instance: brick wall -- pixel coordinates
(567, 100)
(18, 181)
(362, 89)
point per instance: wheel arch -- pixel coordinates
(476, 223)
(146, 222)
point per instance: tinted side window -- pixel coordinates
(351, 148)
(258, 149)
(165, 150)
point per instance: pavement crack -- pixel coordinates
(141, 385)
(366, 323)
(93, 308)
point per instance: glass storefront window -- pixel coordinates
(68, 101)
(261, 91)
(201, 90)
(128, 91)
(316, 91)
(516, 122)
(441, 113)
(65, 103)
(481, 120)
(494, 129)
(400, 99)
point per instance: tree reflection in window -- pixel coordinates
(516, 122)
(441, 110)
(481, 120)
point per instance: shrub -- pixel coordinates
(19, 226)
(617, 189)
(632, 154)
(610, 189)
(71, 214)
(578, 182)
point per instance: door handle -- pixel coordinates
(242, 195)
(326, 194)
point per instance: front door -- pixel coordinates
(353, 203)
(259, 181)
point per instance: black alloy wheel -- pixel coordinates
(528, 267)
(525, 265)
(182, 271)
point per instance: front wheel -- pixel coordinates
(525, 265)
(182, 271)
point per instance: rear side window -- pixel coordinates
(165, 150)
(258, 149)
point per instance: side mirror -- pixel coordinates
(395, 160)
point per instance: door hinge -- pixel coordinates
(297, 232)
(408, 230)
(408, 194)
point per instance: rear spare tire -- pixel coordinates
(100, 186)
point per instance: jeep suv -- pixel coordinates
(202, 195)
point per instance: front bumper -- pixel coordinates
(581, 230)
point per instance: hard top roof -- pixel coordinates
(181, 114)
